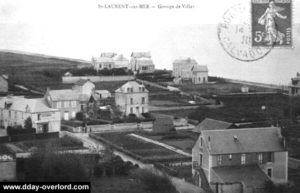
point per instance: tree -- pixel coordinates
(53, 166)
(28, 123)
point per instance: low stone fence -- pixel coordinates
(111, 127)
(74, 79)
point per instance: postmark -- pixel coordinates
(234, 33)
(271, 23)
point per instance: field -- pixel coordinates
(36, 71)
(183, 140)
(218, 88)
(147, 152)
(64, 143)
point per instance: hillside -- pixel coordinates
(29, 61)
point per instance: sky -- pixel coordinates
(80, 29)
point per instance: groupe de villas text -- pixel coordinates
(159, 6)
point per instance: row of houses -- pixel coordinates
(56, 105)
(140, 62)
(230, 160)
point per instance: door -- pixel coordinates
(66, 115)
(45, 128)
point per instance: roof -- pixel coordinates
(141, 54)
(102, 92)
(249, 140)
(120, 57)
(67, 95)
(185, 61)
(199, 68)
(108, 54)
(249, 175)
(131, 84)
(212, 124)
(103, 59)
(21, 104)
(81, 82)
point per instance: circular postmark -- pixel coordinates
(234, 33)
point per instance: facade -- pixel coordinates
(71, 101)
(103, 63)
(103, 94)
(141, 62)
(109, 60)
(189, 70)
(3, 85)
(132, 98)
(239, 158)
(294, 87)
(15, 110)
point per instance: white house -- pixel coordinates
(132, 98)
(101, 63)
(188, 69)
(71, 101)
(141, 62)
(239, 160)
(15, 110)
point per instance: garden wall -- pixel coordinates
(111, 127)
(74, 79)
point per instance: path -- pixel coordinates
(162, 144)
(181, 185)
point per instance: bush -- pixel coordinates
(28, 123)
(80, 116)
(155, 183)
(18, 130)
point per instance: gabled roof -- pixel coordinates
(108, 54)
(22, 104)
(131, 84)
(81, 82)
(185, 61)
(141, 54)
(120, 57)
(249, 175)
(212, 124)
(103, 59)
(65, 94)
(199, 68)
(250, 140)
(102, 92)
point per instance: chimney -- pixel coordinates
(235, 139)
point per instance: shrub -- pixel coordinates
(155, 183)
(80, 116)
(28, 123)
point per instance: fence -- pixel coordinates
(111, 127)
(74, 79)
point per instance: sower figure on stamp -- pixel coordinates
(268, 19)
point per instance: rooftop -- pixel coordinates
(250, 175)
(185, 61)
(199, 68)
(131, 84)
(23, 104)
(212, 124)
(249, 140)
(141, 54)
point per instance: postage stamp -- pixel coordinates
(271, 23)
(234, 33)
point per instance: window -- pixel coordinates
(16, 115)
(143, 89)
(230, 157)
(269, 157)
(201, 142)
(269, 172)
(143, 100)
(219, 159)
(39, 117)
(131, 89)
(243, 159)
(9, 114)
(131, 110)
(201, 160)
(58, 105)
(260, 158)
(73, 114)
(143, 110)
(131, 101)
(66, 104)
(128, 89)
(73, 104)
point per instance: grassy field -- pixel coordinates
(218, 88)
(149, 152)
